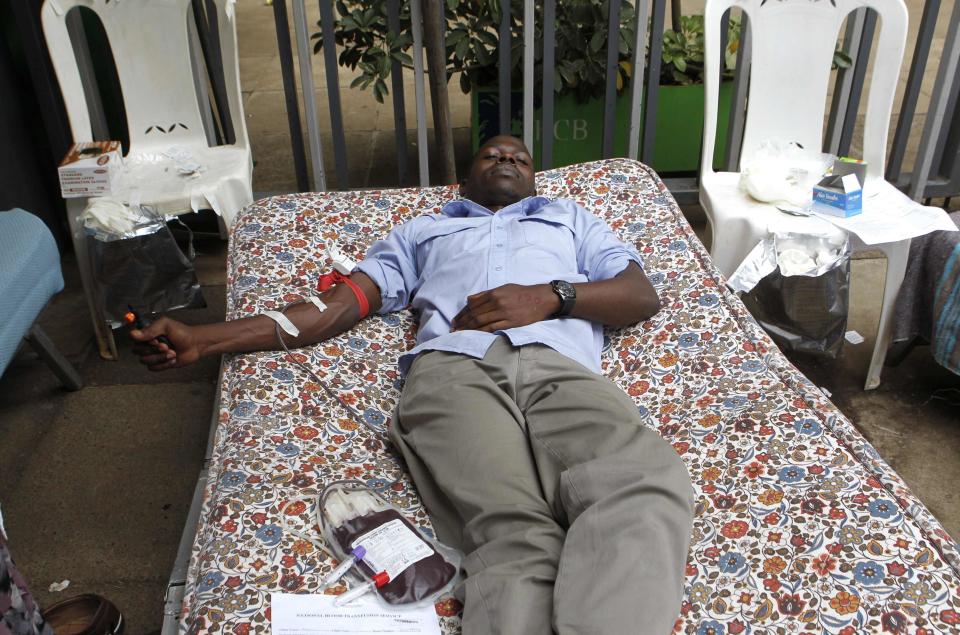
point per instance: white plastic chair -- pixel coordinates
(150, 41)
(150, 44)
(793, 45)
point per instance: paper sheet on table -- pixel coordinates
(292, 614)
(889, 216)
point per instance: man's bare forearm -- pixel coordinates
(623, 300)
(169, 344)
(626, 299)
(259, 332)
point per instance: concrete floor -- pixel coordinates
(95, 485)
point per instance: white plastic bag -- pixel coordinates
(783, 173)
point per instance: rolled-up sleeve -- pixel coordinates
(392, 264)
(600, 254)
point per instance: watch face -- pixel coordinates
(565, 289)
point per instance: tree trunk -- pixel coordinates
(433, 40)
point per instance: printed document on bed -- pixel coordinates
(292, 614)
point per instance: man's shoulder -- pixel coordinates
(429, 217)
(561, 203)
(414, 229)
(412, 224)
(564, 208)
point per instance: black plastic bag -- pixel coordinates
(804, 314)
(147, 271)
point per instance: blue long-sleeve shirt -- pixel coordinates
(435, 261)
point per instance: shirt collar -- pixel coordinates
(465, 208)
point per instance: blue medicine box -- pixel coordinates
(841, 193)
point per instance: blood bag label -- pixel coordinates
(392, 547)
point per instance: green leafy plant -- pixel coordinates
(361, 29)
(471, 45)
(683, 51)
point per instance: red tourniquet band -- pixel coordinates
(328, 280)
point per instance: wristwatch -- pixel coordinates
(567, 294)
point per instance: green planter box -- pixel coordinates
(578, 127)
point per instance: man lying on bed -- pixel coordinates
(573, 516)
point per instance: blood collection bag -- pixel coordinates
(420, 570)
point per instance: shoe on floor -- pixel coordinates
(86, 614)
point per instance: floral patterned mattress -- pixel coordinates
(800, 525)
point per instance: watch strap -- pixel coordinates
(567, 295)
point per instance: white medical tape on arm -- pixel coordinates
(317, 302)
(341, 261)
(288, 327)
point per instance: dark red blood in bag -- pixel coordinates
(419, 580)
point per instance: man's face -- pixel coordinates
(501, 174)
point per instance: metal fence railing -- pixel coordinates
(936, 171)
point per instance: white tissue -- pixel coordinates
(794, 262)
(109, 216)
(853, 337)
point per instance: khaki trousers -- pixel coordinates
(573, 516)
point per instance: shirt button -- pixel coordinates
(499, 244)
(499, 268)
